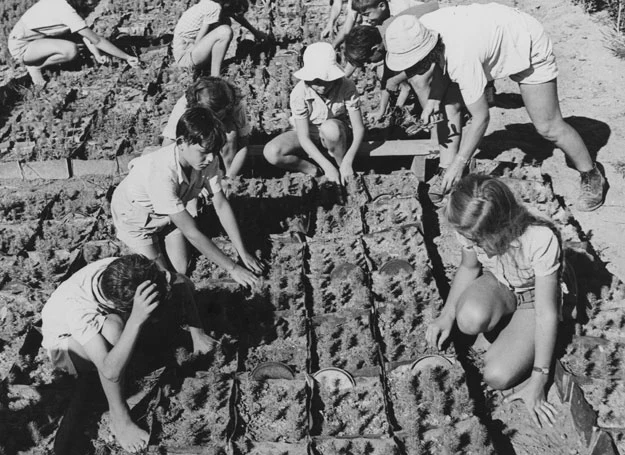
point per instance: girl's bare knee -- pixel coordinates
(272, 152)
(497, 376)
(70, 52)
(471, 318)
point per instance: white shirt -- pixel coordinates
(49, 18)
(72, 310)
(205, 12)
(157, 184)
(535, 253)
(482, 43)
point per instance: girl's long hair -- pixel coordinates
(484, 210)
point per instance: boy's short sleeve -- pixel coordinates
(468, 72)
(84, 323)
(211, 12)
(297, 102)
(170, 129)
(70, 17)
(350, 95)
(162, 188)
(544, 251)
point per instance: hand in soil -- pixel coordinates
(533, 395)
(253, 263)
(438, 331)
(133, 62)
(453, 174)
(346, 171)
(244, 277)
(144, 302)
(333, 175)
(430, 111)
(128, 435)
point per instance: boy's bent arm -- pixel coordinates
(105, 45)
(358, 127)
(350, 20)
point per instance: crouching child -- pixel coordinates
(95, 318)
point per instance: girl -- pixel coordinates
(39, 39)
(506, 287)
(475, 44)
(203, 33)
(321, 104)
(225, 101)
(157, 200)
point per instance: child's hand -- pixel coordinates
(375, 116)
(244, 277)
(438, 331)
(253, 263)
(346, 171)
(133, 62)
(431, 108)
(326, 32)
(533, 395)
(453, 174)
(333, 175)
(202, 342)
(102, 59)
(145, 301)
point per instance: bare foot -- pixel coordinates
(129, 436)
(36, 75)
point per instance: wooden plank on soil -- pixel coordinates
(398, 147)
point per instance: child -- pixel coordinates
(203, 33)
(376, 12)
(506, 287)
(39, 38)
(156, 201)
(477, 43)
(95, 319)
(225, 101)
(320, 105)
(363, 45)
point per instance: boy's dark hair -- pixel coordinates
(120, 280)
(233, 7)
(199, 125)
(436, 55)
(360, 6)
(360, 43)
(212, 92)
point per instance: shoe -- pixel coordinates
(435, 188)
(592, 188)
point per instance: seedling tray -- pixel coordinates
(345, 341)
(336, 296)
(396, 184)
(405, 243)
(352, 446)
(325, 256)
(356, 411)
(338, 222)
(272, 410)
(391, 212)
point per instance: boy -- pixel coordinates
(321, 105)
(96, 317)
(157, 200)
(376, 12)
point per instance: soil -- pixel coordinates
(327, 299)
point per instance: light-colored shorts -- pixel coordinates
(543, 67)
(181, 48)
(59, 355)
(136, 226)
(17, 47)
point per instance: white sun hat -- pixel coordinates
(320, 63)
(408, 41)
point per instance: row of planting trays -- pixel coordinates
(328, 355)
(350, 276)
